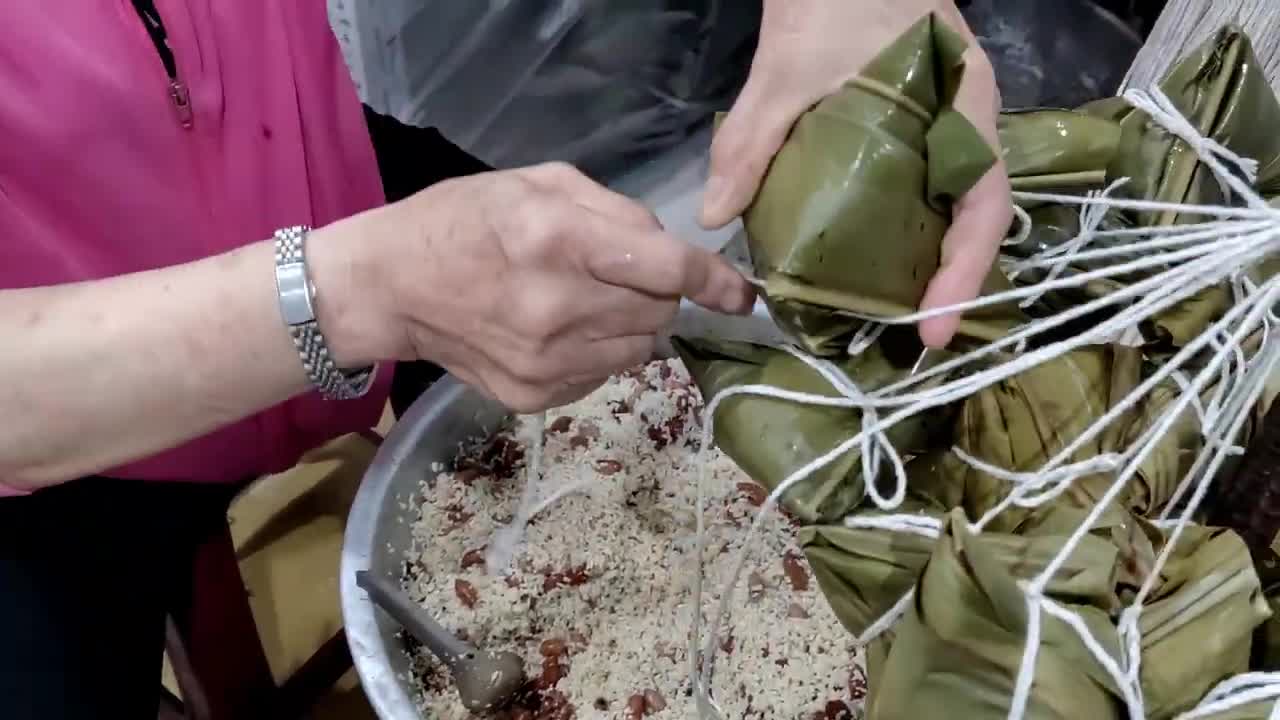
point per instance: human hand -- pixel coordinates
(808, 50)
(532, 285)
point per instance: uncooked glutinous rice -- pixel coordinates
(598, 600)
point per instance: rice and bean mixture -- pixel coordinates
(598, 601)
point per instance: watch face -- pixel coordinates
(296, 294)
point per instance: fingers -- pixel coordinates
(744, 146)
(980, 221)
(621, 243)
(800, 60)
(660, 265)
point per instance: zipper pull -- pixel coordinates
(182, 102)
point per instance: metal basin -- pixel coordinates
(378, 529)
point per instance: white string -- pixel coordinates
(1036, 587)
(874, 444)
(1235, 692)
(988, 378)
(1158, 292)
(922, 525)
(1059, 258)
(1263, 692)
(1025, 226)
(864, 338)
(1171, 231)
(1057, 480)
(1175, 500)
(1162, 110)
(1251, 389)
(505, 543)
(1078, 280)
(888, 620)
(1144, 308)
(1118, 410)
(1209, 231)
(1192, 260)
(1184, 25)
(580, 486)
(1108, 663)
(1221, 212)
(942, 397)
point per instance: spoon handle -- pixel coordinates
(413, 618)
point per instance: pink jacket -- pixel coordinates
(98, 177)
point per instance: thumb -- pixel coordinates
(745, 144)
(980, 221)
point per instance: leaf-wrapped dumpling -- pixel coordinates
(1197, 627)
(957, 651)
(1057, 150)
(771, 438)
(850, 217)
(863, 572)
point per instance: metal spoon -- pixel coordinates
(485, 679)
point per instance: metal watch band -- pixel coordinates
(296, 298)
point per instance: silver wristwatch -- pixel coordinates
(297, 296)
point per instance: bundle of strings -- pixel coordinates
(1177, 262)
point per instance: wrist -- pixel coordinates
(350, 302)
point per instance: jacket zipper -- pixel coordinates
(178, 91)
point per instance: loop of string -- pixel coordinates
(1145, 445)
(1173, 264)
(1156, 301)
(1182, 260)
(875, 445)
(1025, 226)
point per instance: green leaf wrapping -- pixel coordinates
(770, 438)
(957, 651)
(1196, 629)
(863, 572)
(1057, 151)
(848, 225)
(1223, 92)
(1019, 424)
(851, 214)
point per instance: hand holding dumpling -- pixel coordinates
(808, 50)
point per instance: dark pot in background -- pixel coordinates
(1059, 53)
